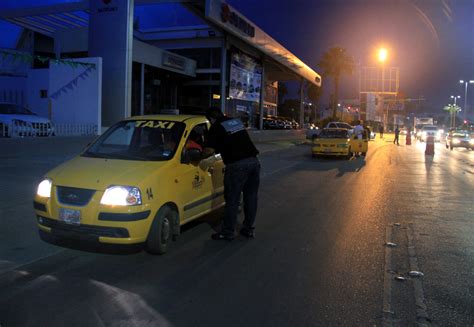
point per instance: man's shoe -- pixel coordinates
(220, 236)
(247, 233)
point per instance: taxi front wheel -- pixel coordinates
(160, 234)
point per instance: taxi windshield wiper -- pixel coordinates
(129, 157)
(97, 155)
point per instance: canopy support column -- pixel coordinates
(301, 102)
(262, 97)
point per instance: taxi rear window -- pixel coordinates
(147, 140)
(333, 134)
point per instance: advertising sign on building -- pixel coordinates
(245, 78)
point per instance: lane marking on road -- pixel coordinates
(422, 317)
(387, 281)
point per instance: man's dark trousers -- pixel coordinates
(241, 176)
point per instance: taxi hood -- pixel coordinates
(98, 173)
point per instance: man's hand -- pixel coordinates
(207, 152)
(205, 163)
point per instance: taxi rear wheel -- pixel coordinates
(161, 230)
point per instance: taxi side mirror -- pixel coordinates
(192, 155)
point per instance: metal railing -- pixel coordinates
(27, 129)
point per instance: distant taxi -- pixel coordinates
(136, 184)
(338, 142)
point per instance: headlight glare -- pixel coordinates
(456, 141)
(44, 188)
(121, 196)
(471, 141)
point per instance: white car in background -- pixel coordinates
(16, 120)
(430, 130)
(341, 124)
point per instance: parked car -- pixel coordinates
(459, 139)
(16, 120)
(135, 185)
(269, 123)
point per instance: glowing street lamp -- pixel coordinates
(382, 55)
(455, 97)
(465, 95)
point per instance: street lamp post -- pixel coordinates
(465, 95)
(453, 112)
(382, 57)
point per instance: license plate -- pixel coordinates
(70, 216)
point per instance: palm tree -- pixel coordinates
(453, 110)
(334, 63)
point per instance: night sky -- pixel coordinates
(432, 41)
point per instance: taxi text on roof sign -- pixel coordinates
(154, 124)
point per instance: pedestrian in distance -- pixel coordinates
(229, 137)
(381, 131)
(397, 134)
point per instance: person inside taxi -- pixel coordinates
(195, 140)
(229, 137)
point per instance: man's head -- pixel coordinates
(214, 113)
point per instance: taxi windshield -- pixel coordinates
(334, 134)
(147, 140)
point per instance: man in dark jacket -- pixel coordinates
(397, 135)
(229, 137)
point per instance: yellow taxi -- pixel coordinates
(338, 142)
(136, 184)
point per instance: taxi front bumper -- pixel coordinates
(330, 151)
(96, 224)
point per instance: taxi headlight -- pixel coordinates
(121, 196)
(456, 141)
(471, 141)
(44, 188)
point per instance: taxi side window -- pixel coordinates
(196, 138)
